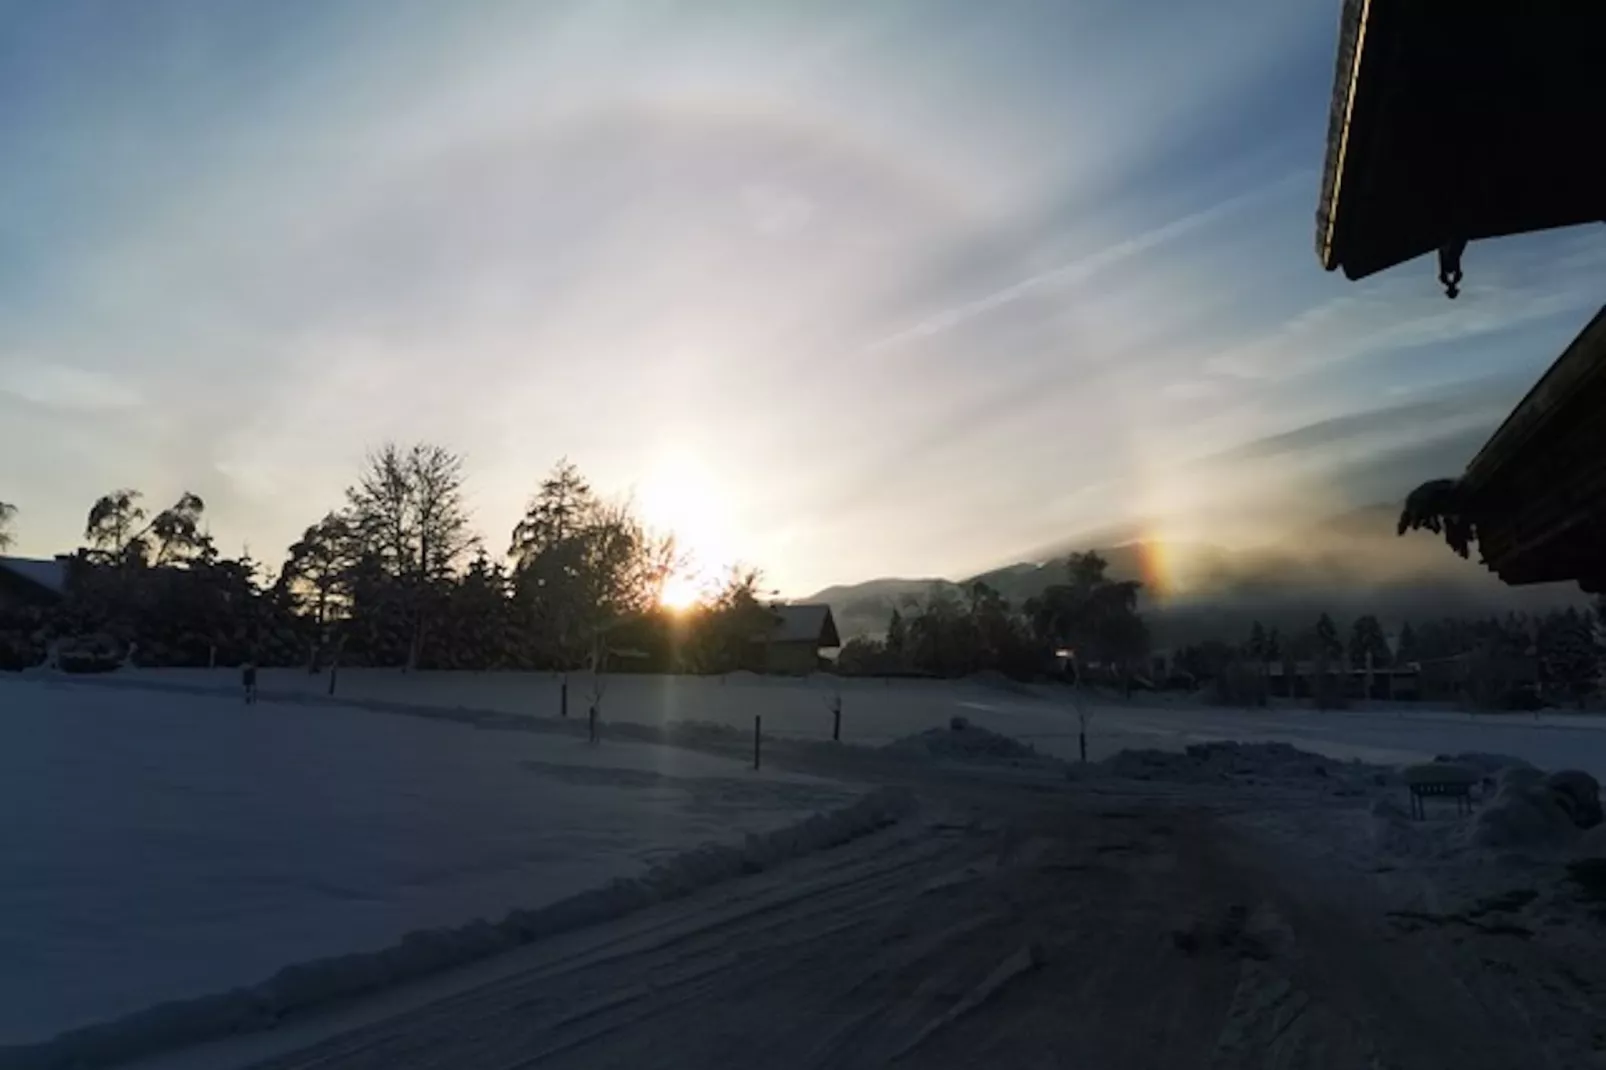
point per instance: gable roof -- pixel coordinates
(47, 575)
(805, 623)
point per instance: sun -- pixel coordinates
(680, 593)
(683, 499)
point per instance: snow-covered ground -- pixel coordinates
(878, 711)
(167, 841)
(161, 845)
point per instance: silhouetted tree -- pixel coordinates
(897, 635)
(114, 525)
(1328, 643)
(547, 548)
(175, 535)
(8, 515)
(317, 574)
(735, 618)
(583, 566)
(478, 629)
(117, 531)
(1093, 615)
(1407, 650)
(408, 512)
(1367, 638)
(1256, 646)
(1569, 654)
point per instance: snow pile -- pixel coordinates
(1228, 760)
(1538, 813)
(1525, 817)
(1578, 793)
(1528, 809)
(1484, 763)
(1591, 844)
(963, 741)
(297, 988)
(1397, 834)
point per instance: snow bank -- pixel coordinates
(1274, 763)
(1529, 809)
(963, 741)
(296, 988)
(1548, 813)
(994, 679)
(1484, 763)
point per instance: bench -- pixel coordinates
(1420, 793)
(1440, 780)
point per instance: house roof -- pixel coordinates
(1537, 489)
(1455, 122)
(47, 575)
(805, 622)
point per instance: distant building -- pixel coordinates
(27, 581)
(796, 642)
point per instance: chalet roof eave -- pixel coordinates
(1456, 123)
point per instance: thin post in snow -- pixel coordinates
(758, 736)
(836, 725)
(334, 674)
(563, 697)
(591, 726)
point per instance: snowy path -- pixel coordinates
(163, 845)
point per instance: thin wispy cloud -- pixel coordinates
(1078, 270)
(53, 385)
(1376, 320)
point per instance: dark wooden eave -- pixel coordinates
(1537, 489)
(1455, 122)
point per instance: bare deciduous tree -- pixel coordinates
(408, 512)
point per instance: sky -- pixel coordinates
(911, 287)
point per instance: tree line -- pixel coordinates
(1088, 619)
(1498, 658)
(395, 576)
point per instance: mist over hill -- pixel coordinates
(1346, 565)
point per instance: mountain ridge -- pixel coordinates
(1346, 565)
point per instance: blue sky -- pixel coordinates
(842, 290)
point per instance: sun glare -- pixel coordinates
(680, 593)
(681, 498)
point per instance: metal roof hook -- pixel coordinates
(1450, 266)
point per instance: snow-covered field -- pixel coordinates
(161, 845)
(877, 711)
